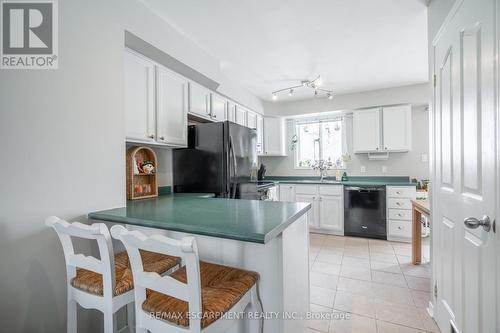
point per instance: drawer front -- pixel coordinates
(401, 192)
(331, 190)
(400, 214)
(398, 203)
(306, 189)
(400, 229)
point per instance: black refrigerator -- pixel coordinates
(221, 158)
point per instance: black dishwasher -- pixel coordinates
(364, 211)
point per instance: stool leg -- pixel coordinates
(131, 317)
(109, 320)
(72, 316)
(255, 326)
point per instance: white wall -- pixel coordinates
(398, 164)
(63, 150)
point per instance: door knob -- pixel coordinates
(473, 223)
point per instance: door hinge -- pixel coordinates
(435, 290)
(434, 79)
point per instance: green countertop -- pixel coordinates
(244, 220)
(353, 181)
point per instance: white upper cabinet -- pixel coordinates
(218, 108)
(240, 115)
(171, 107)
(231, 112)
(366, 130)
(199, 100)
(397, 128)
(274, 137)
(139, 86)
(252, 120)
(385, 129)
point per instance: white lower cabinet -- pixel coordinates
(313, 214)
(327, 205)
(331, 210)
(287, 193)
(399, 214)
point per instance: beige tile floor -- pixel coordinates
(371, 280)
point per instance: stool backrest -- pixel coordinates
(185, 248)
(97, 231)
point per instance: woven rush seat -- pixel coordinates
(221, 288)
(91, 282)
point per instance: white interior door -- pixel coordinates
(464, 184)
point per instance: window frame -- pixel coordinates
(297, 123)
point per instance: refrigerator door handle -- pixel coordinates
(235, 166)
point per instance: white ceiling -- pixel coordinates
(266, 45)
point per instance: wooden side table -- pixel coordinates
(419, 208)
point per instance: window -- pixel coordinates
(319, 140)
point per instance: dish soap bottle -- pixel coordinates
(344, 177)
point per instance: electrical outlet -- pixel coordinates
(424, 157)
(363, 169)
(384, 169)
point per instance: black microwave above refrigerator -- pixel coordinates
(221, 158)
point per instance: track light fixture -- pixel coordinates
(313, 84)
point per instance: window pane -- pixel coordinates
(331, 142)
(308, 145)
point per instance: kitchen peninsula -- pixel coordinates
(270, 238)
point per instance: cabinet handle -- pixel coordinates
(385, 148)
(398, 203)
(400, 228)
(377, 148)
(400, 215)
(151, 136)
(162, 138)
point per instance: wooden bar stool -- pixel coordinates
(194, 298)
(105, 284)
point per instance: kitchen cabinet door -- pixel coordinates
(397, 128)
(366, 130)
(219, 107)
(260, 134)
(331, 213)
(313, 213)
(274, 137)
(199, 100)
(240, 115)
(251, 120)
(139, 91)
(231, 112)
(287, 193)
(172, 105)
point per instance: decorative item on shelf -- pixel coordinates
(141, 173)
(311, 84)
